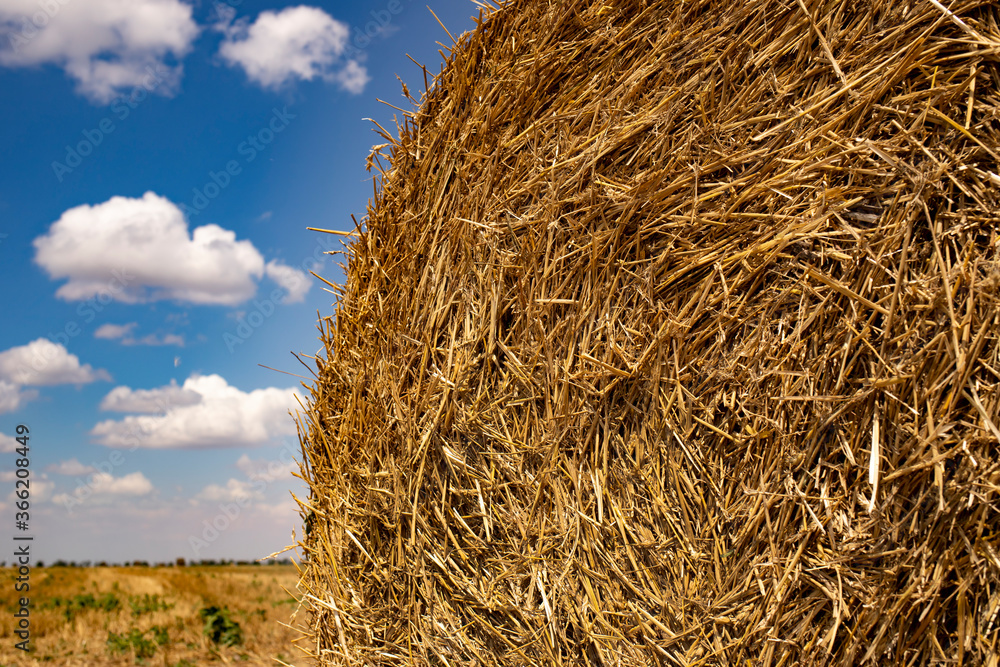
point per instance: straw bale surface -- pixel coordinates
(671, 337)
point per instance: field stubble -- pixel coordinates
(117, 616)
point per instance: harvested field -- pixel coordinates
(118, 616)
(672, 336)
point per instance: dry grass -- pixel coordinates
(672, 336)
(255, 595)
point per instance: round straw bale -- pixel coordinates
(671, 337)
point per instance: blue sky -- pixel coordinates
(163, 160)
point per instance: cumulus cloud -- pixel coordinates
(103, 487)
(39, 363)
(42, 362)
(149, 401)
(123, 332)
(234, 490)
(140, 250)
(106, 46)
(71, 468)
(292, 280)
(296, 43)
(224, 417)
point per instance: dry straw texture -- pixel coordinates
(672, 337)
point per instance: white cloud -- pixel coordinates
(140, 250)
(107, 46)
(353, 77)
(42, 362)
(233, 490)
(152, 401)
(224, 417)
(124, 332)
(286, 510)
(102, 486)
(296, 43)
(70, 468)
(153, 339)
(268, 471)
(8, 443)
(294, 281)
(133, 484)
(113, 331)
(13, 397)
(41, 489)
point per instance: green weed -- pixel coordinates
(78, 603)
(220, 628)
(132, 641)
(147, 604)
